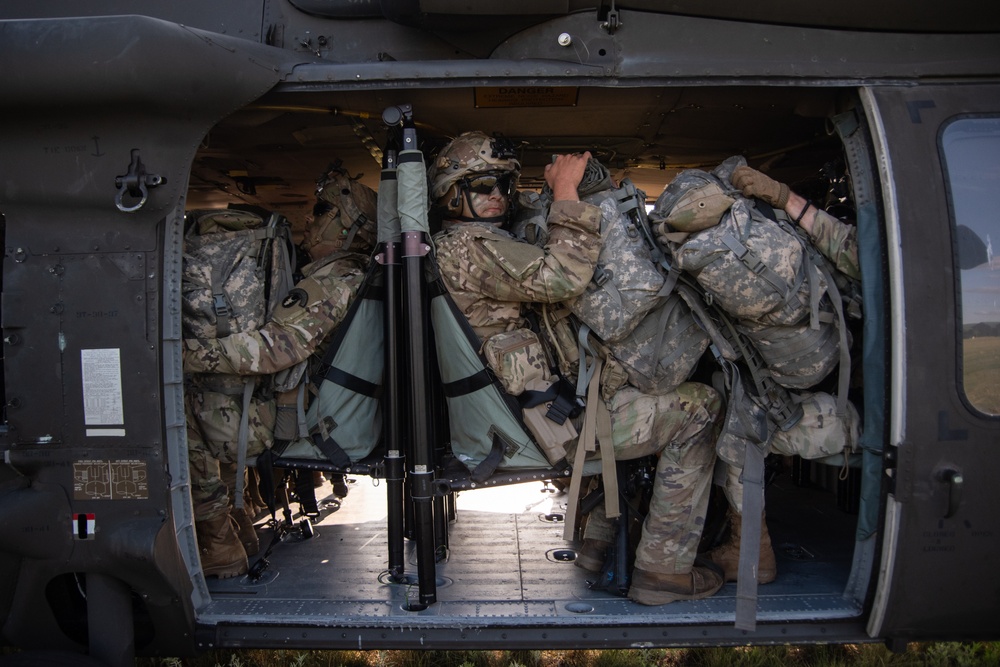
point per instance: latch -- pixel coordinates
(611, 22)
(955, 483)
(136, 183)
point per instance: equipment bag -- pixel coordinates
(236, 264)
(663, 350)
(761, 271)
(627, 281)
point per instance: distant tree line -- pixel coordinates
(981, 329)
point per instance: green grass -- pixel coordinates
(982, 372)
(943, 654)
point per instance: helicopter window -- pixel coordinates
(972, 160)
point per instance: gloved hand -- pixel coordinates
(286, 424)
(755, 184)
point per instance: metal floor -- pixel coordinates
(503, 565)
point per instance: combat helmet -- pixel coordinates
(471, 160)
(345, 214)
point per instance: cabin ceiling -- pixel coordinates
(271, 153)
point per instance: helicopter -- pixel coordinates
(121, 118)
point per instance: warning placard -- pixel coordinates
(526, 96)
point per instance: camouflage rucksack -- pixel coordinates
(627, 282)
(236, 266)
(632, 303)
(760, 271)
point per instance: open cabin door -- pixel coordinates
(941, 148)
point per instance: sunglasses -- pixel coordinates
(485, 184)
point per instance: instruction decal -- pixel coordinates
(101, 371)
(120, 479)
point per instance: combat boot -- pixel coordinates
(727, 554)
(592, 554)
(222, 555)
(247, 533)
(339, 483)
(653, 588)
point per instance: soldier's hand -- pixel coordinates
(755, 184)
(564, 175)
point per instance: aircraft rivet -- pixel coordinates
(565, 39)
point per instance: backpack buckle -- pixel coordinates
(220, 306)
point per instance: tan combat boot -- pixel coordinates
(727, 554)
(222, 555)
(247, 533)
(653, 588)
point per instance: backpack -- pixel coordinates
(627, 281)
(236, 265)
(762, 272)
(632, 304)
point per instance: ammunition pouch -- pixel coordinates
(546, 408)
(517, 358)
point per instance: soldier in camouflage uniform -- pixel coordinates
(820, 432)
(299, 325)
(494, 278)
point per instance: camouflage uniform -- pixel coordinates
(681, 427)
(492, 276)
(312, 309)
(838, 241)
(820, 433)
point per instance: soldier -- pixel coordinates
(338, 248)
(821, 432)
(493, 278)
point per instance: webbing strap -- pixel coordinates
(488, 466)
(241, 444)
(585, 373)
(220, 303)
(302, 429)
(353, 382)
(609, 472)
(331, 450)
(584, 444)
(844, 379)
(467, 385)
(756, 265)
(753, 512)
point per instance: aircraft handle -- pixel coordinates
(956, 483)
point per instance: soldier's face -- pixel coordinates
(483, 205)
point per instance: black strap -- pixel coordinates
(488, 466)
(530, 398)
(352, 382)
(468, 385)
(332, 451)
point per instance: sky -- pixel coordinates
(972, 159)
